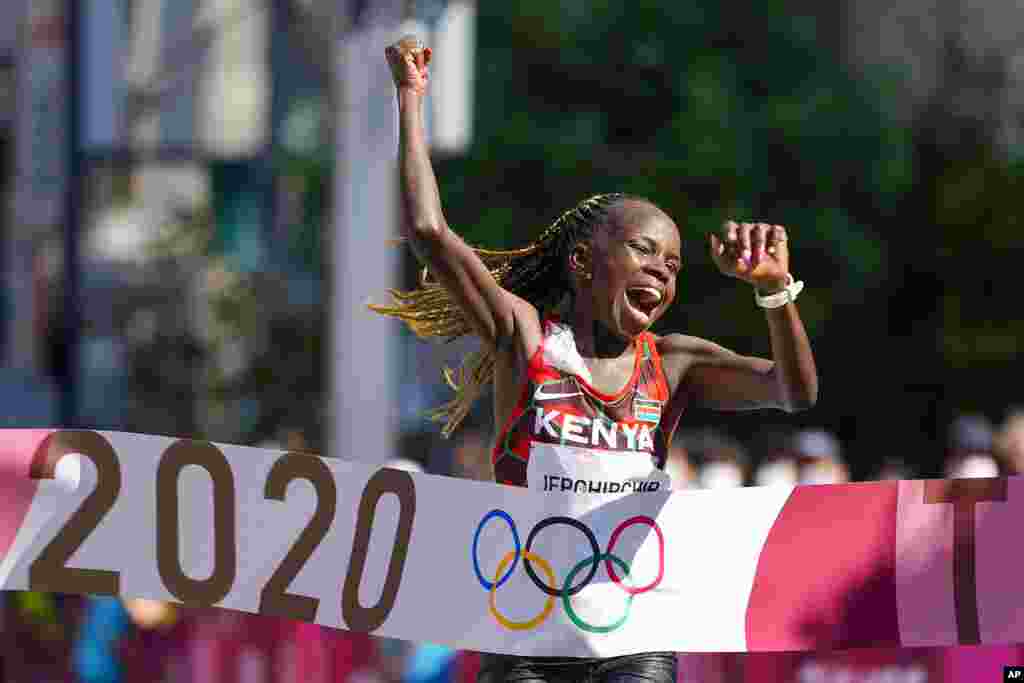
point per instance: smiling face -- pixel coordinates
(634, 260)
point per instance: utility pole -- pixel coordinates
(71, 309)
(44, 121)
(364, 348)
(365, 401)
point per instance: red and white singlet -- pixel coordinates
(565, 435)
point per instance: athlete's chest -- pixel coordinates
(561, 411)
(611, 377)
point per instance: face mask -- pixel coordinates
(975, 467)
(721, 475)
(824, 473)
(404, 464)
(679, 474)
(778, 473)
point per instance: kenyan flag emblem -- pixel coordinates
(646, 409)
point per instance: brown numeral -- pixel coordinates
(274, 601)
(47, 572)
(195, 592)
(367, 619)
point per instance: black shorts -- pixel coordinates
(648, 667)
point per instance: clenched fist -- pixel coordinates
(753, 252)
(409, 59)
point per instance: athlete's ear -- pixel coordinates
(581, 261)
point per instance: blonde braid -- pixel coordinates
(534, 273)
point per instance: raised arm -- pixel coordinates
(498, 317)
(718, 378)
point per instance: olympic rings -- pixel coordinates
(550, 587)
(518, 551)
(548, 605)
(567, 603)
(639, 519)
(596, 550)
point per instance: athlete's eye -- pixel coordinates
(641, 247)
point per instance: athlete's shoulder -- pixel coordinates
(681, 352)
(677, 345)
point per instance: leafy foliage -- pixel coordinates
(721, 110)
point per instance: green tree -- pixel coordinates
(714, 111)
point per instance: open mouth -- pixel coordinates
(644, 299)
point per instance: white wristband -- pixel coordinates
(779, 299)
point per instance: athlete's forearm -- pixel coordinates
(421, 201)
(794, 370)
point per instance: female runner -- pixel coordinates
(564, 324)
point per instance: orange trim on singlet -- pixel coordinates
(656, 359)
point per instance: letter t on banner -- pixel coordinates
(964, 494)
(364, 346)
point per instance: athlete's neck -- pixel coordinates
(595, 340)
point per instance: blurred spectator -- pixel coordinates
(120, 640)
(819, 457)
(37, 637)
(420, 447)
(323, 655)
(288, 438)
(294, 440)
(974, 466)
(810, 456)
(95, 658)
(1009, 442)
(969, 449)
(721, 461)
(404, 464)
(778, 471)
(393, 654)
(152, 614)
(429, 663)
(467, 667)
(471, 457)
(234, 647)
(678, 468)
(777, 466)
(41, 612)
(155, 649)
(894, 469)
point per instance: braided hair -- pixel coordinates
(535, 273)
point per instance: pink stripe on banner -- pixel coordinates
(1000, 549)
(924, 569)
(825, 577)
(17, 447)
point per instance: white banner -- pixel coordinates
(479, 566)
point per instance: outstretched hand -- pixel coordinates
(409, 59)
(757, 253)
